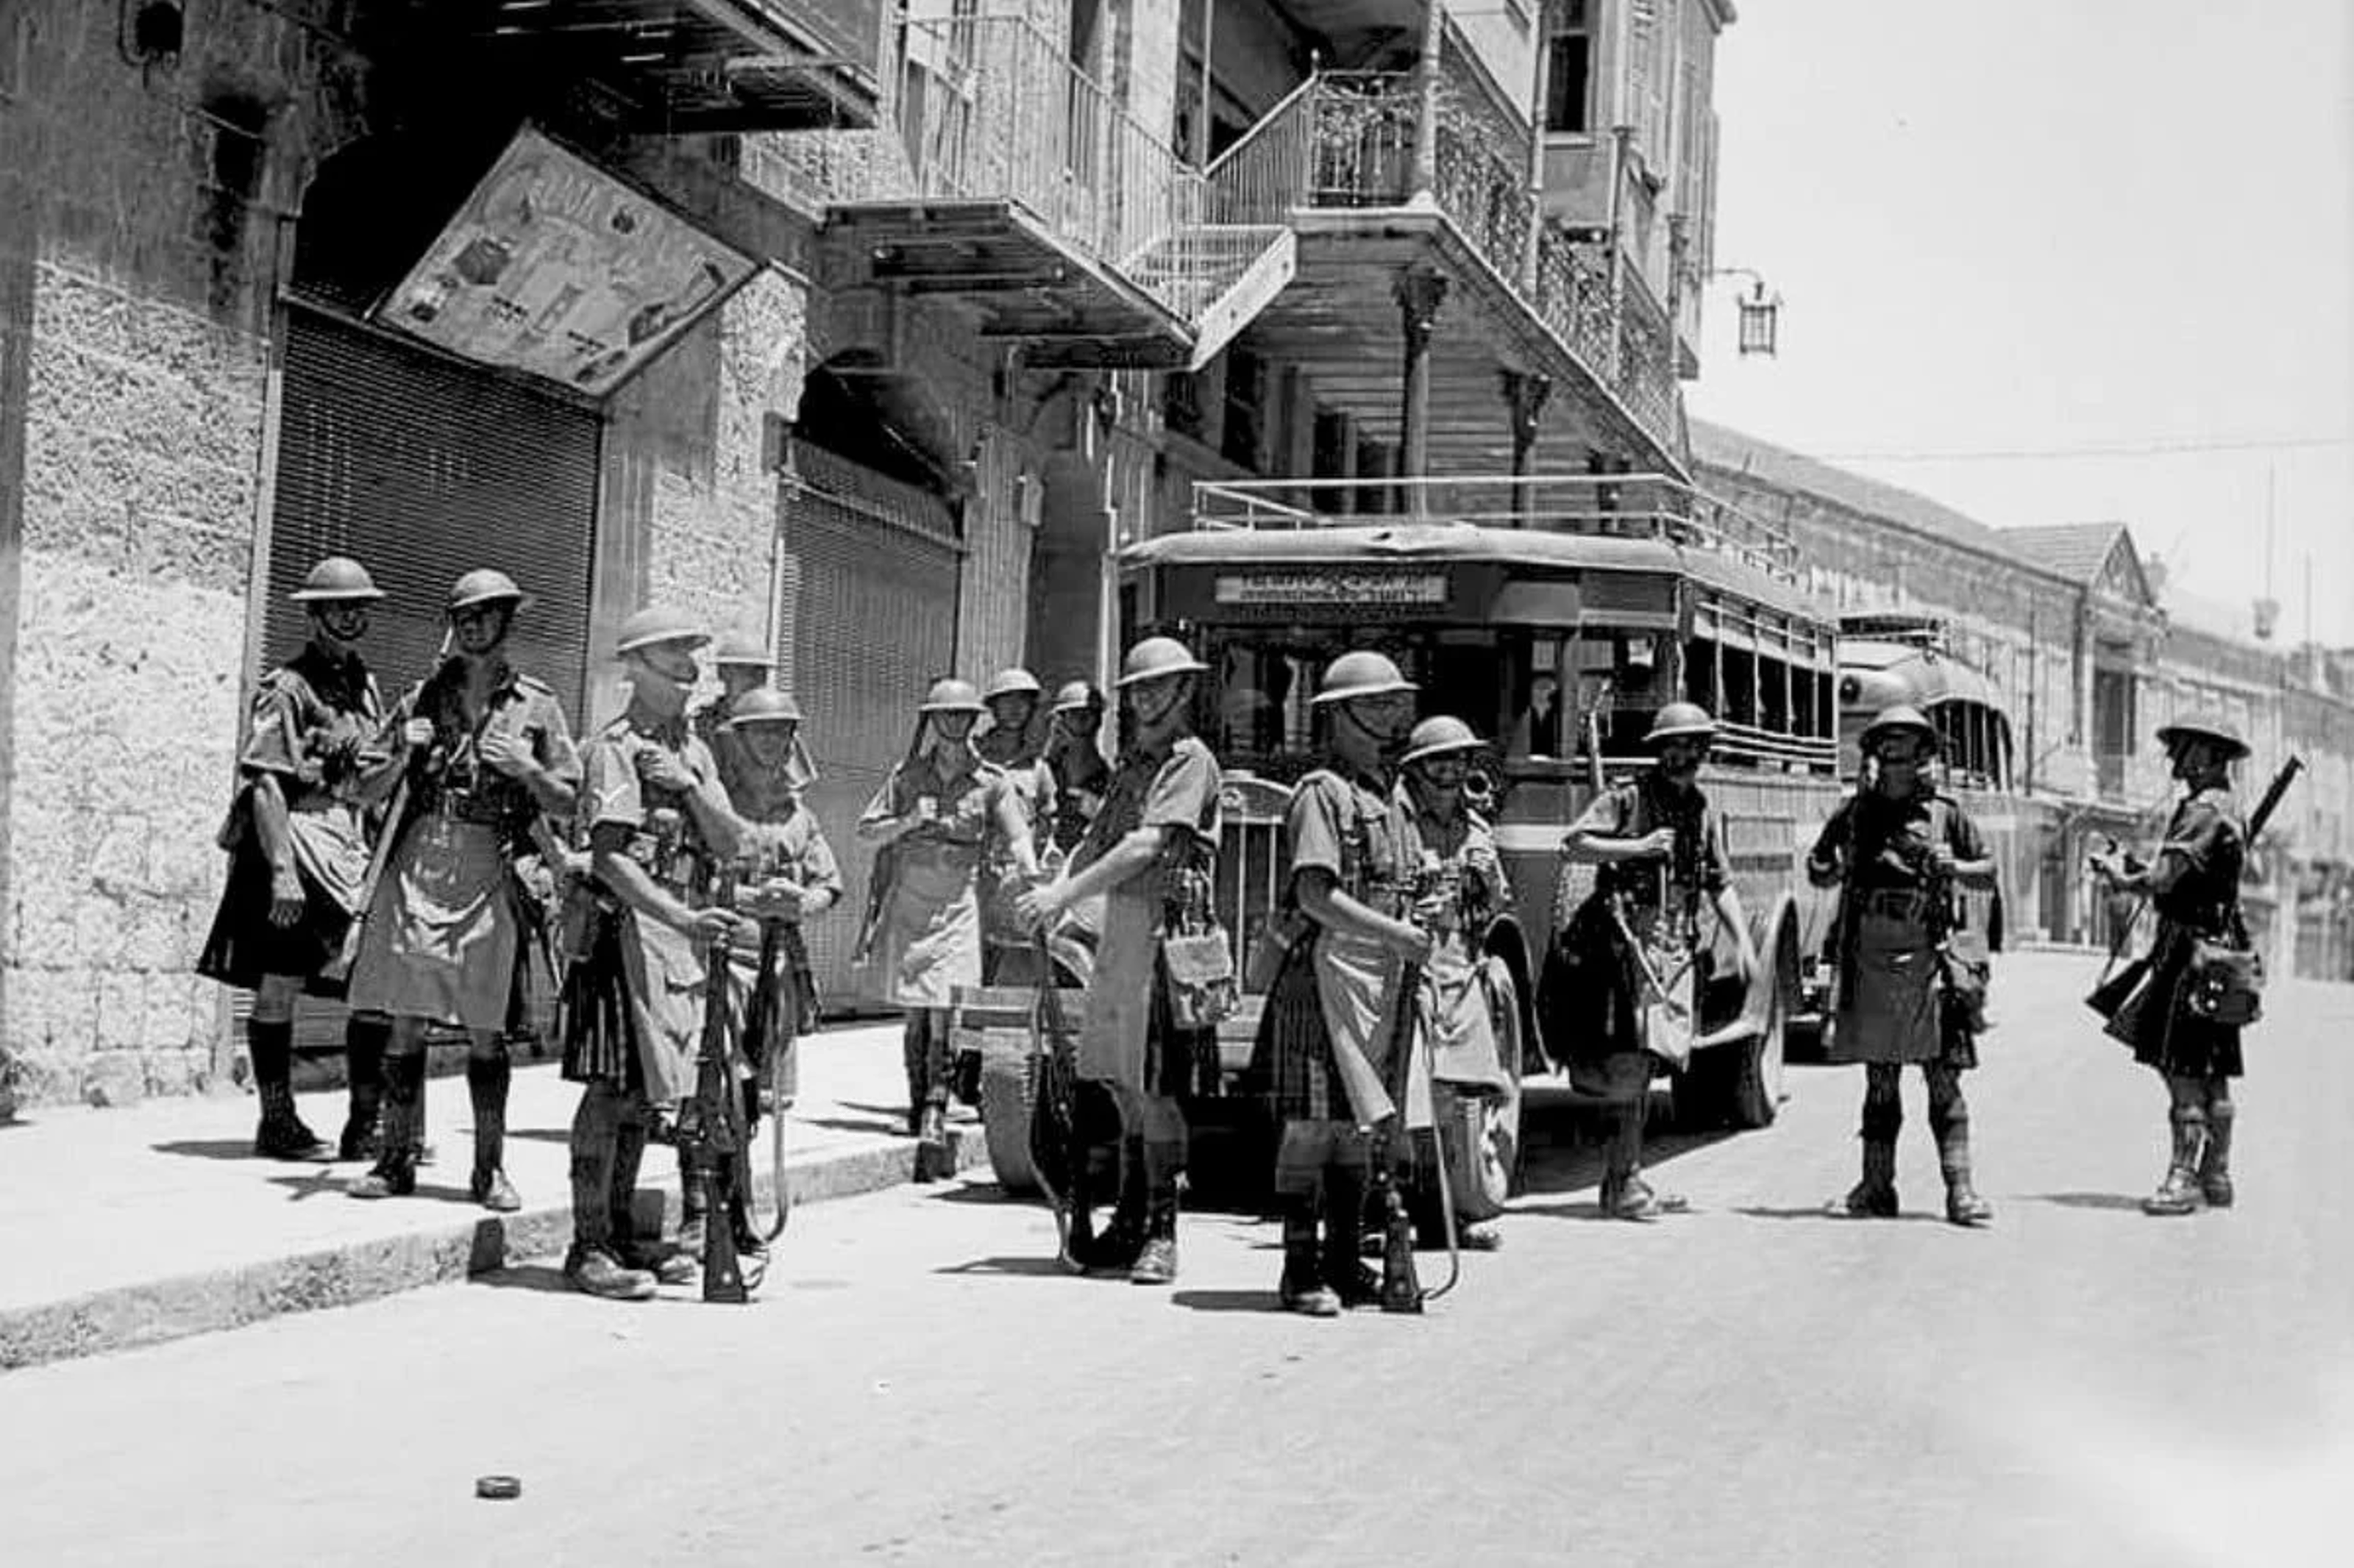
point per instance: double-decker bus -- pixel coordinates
(1554, 615)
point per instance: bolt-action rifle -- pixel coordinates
(711, 1130)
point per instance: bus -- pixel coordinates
(1555, 616)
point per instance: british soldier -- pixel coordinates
(931, 823)
(1328, 1027)
(1156, 835)
(1458, 850)
(1659, 848)
(298, 858)
(1011, 744)
(487, 754)
(659, 826)
(1898, 847)
(2193, 884)
(1077, 760)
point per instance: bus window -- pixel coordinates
(1740, 687)
(1774, 697)
(1805, 687)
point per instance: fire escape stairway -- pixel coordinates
(1217, 276)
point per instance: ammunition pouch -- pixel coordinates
(1196, 957)
(2225, 981)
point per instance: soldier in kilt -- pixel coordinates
(659, 825)
(2193, 883)
(1356, 856)
(1156, 836)
(298, 847)
(487, 755)
(1898, 847)
(1660, 847)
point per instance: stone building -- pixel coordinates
(912, 317)
(2094, 652)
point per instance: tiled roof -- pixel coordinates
(2077, 551)
(1714, 446)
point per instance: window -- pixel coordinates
(1569, 70)
(1241, 436)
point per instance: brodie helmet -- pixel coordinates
(1440, 736)
(1014, 682)
(484, 584)
(763, 705)
(2212, 727)
(1157, 658)
(337, 578)
(1362, 674)
(1903, 718)
(1679, 721)
(744, 651)
(653, 626)
(950, 695)
(1073, 696)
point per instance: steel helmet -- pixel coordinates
(1073, 696)
(763, 705)
(743, 649)
(1903, 718)
(1677, 720)
(2205, 727)
(1014, 682)
(950, 695)
(653, 626)
(484, 584)
(1157, 658)
(1363, 674)
(337, 577)
(1440, 736)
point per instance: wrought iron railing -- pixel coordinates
(1622, 506)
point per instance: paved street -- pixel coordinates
(1756, 1383)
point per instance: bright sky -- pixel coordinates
(2018, 226)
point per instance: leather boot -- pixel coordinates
(1122, 1242)
(1352, 1284)
(1302, 1288)
(394, 1175)
(2180, 1193)
(2215, 1163)
(1874, 1197)
(1624, 1194)
(1963, 1204)
(487, 1081)
(270, 1047)
(1076, 1241)
(1157, 1263)
(932, 1143)
(364, 1038)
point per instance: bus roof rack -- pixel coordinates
(1622, 505)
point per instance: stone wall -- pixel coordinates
(143, 212)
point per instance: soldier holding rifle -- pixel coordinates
(1659, 847)
(488, 752)
(1329, 1028)
(1898, 847)
(660, 828)
(2193, 883)
(298, 858)
(1156, 835)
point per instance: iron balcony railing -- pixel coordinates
(1625, 506)
(1000, 113)
(1347, 139)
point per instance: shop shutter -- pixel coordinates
(870, 570)
(422, 469)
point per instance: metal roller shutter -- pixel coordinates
(870, 576)
(421, 470)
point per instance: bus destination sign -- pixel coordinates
(1335, 585)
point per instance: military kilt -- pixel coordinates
(2157, 1021)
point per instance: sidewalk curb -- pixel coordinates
(155, 1312)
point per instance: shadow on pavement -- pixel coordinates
(1225, 1300)
(325, 1181)
(2117, 1203)
(543, 1276)
(1010, 1268)
(218, 1149)
(1828, 1211)
(896, 1128)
